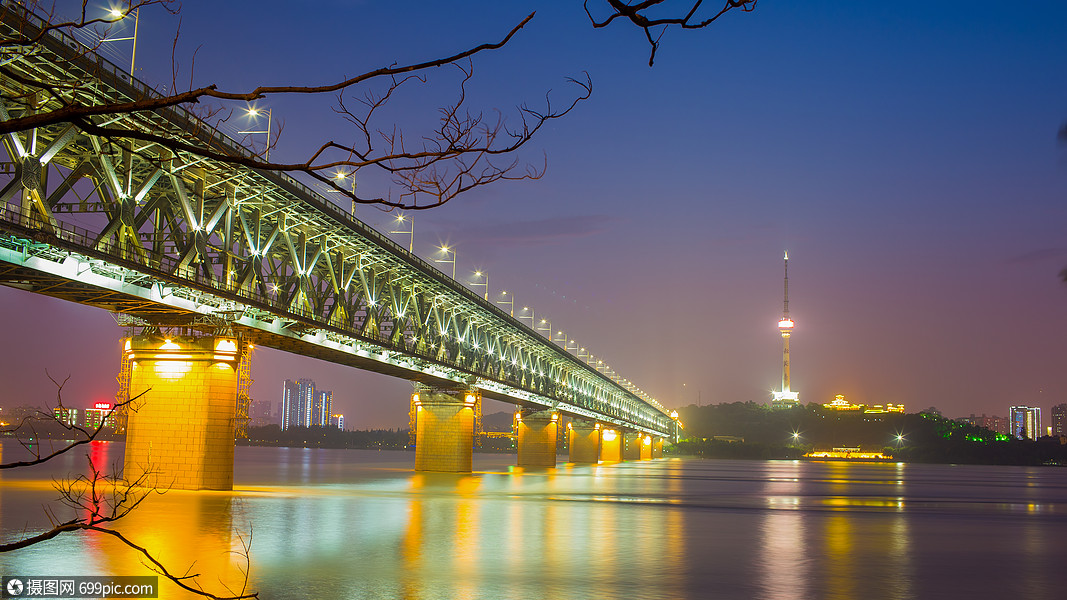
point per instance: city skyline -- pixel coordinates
(887, 150)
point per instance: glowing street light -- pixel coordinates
(118, 15)
(527, 309)
(548, 328)
(341, 176)
(562, 338)
(254, 113)
(446, 250)
(510, 301)
(484, 284)
(411, 234)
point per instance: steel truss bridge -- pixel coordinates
(165, 235)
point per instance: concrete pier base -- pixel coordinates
(646, 447)
(610, 445)
(584, 442)
(537, 438)
(631, 445)
(180, 427)
(657, 447)
(444, 430)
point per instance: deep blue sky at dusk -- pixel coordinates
(904, 154)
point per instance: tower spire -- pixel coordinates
(786, 398)
(785, 310)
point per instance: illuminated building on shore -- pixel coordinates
(259, 413)
(321, 404)
(1059, 420)
(337, 421)
(98, 416)
(786, 398)
(66, 416)
(303, 405)
(1025, 422)
(994, 423)
(840, 403)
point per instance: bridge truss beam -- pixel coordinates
(164, 234)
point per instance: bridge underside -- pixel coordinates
(32, 280)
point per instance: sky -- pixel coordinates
(905, 155)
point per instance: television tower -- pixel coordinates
(786, 398)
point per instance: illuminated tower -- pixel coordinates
(785, 398)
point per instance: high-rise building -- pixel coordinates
(296, 399)
(98, 416)
(786, 398)
(1059, 420)
(1025, 422)
(66, 416)
(337, 421)
(259, 413)
(320, 408)
(303, 406)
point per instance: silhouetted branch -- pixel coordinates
(686, 15)
(453, 158)
(84, 435)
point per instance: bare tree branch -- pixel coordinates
(684, 16)
(455, 157)
(84, 435)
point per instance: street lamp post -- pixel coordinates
(340, 176)
(530, 316)
(548, 328)
(119, 15)
(446, 250)
(562, 338)
(484, 284)
(410, 232)
(510, 302)
(255, 112)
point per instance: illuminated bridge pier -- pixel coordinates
(536, 433)
(181, 421)
(444, 425)
(583, 439)
(444, 430)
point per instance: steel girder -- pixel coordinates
(141, 228)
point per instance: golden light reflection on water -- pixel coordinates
(185, 530)
(495, 535)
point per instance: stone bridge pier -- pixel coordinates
(444, 430)
(181, 421)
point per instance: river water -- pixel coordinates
(360, 524)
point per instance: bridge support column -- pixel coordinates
(631, 445)
(584, 441)
(537, 438)
(657, 447)
(444, 430)
(646, 447)
(610, 445)
(180, 426)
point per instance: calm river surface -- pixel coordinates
(360, 524)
